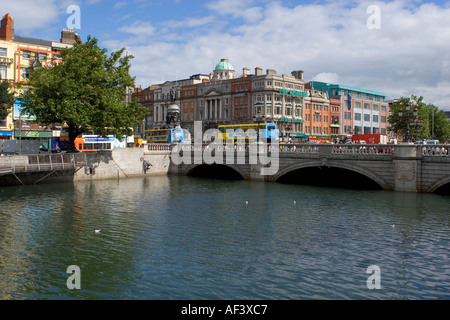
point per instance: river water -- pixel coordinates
(176, 238)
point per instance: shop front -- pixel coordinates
(6, 135)
(45, 137)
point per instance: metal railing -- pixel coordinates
(37, 163)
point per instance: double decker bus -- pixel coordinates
(165, 135)
(97, 143)
(250, 132)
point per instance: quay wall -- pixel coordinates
(123, 163)
(116, 164)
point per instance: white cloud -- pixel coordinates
(30, 14)
(326, 77)
(330, 42)
(141, 31)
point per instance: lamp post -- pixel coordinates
(416, 123)
(258, 118)
(406, 116)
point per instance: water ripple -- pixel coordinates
(188, 238)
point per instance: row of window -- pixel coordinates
(317, 130)
(359, 95)
(375, 107)
(277, 84)
(367, 117)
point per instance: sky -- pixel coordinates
(398, 47)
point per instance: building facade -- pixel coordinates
(361, 111)
(18, 56)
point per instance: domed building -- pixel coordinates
(224, 70)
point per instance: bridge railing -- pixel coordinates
(403, 150)
(329, 149)
(435, 150)
(41, 162)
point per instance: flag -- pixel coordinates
(349, 102)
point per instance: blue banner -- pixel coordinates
(349, 102)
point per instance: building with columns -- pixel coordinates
(223, 98)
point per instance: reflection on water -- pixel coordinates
(193, 238)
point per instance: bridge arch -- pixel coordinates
(216, 170)
(377, 181)
(442, 186)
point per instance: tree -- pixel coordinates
(86, 91)
(6, 99)
(432, 122)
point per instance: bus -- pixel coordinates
(165, 135)
(236, 132)
(98, 143)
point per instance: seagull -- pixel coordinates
(97, 231)
(393, 226)
(246, 203)
(295, 202)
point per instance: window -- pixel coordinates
(3, 52)
(375, 118)
(42, 56)
(25, 73)
(375, 107)
(3, 72)
(367, 106)
(357, 116)
(367, 117)
(383, 119)
(357, 105)
(347, 115)
(26, 54)
(383, 108)
(278, 110)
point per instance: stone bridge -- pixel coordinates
(409, 168)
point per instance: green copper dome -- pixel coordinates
(224, 65)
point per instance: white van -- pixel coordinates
(432, 142)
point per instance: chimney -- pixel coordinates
(258, 71)
(69, 37)
(298, 74)
(271, 72)
(245, 72)
(7, 28)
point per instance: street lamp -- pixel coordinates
(288, 128)
(416, 123)
(258, 118)
(406, 116)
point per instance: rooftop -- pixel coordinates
(34, 41)
(328, 86)
(224, 65)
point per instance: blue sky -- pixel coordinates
(396, 47)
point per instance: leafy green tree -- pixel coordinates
(422, 121)
(6, 99)
(87, 91)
